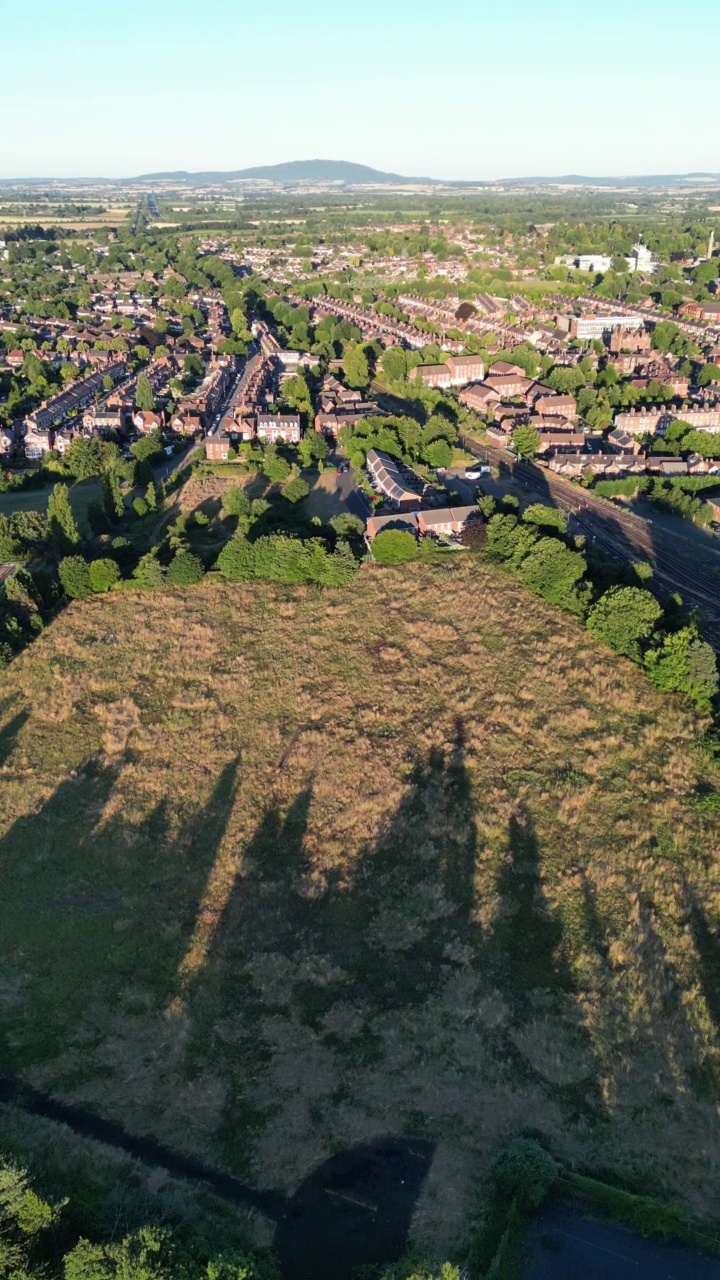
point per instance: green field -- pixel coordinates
(285, 870)
(81, 495)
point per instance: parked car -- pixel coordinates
(477, 470)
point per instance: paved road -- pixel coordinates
(178, 460)
(680, 564)
(564, 1245)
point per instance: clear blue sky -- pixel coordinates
(474, 89)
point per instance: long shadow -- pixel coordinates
(526, 957)
(9, 734)
(375, 922)
(707, 944)
(526, 946)
(74, 915)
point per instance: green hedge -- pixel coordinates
(644, 1213)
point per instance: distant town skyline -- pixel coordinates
(478, 93)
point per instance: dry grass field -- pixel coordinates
(285, 870)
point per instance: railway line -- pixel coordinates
(680, 565)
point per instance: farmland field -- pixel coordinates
(284, 871)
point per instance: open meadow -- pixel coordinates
(284, 870)
(82, 493)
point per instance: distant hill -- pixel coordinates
(295, 171)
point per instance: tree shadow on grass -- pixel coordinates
(95, 904)
(526, 949)
(9, 734)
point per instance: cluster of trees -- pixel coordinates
(52, 1238)
(278, 544)
(403, 438)
(624, 615)
(280, 557)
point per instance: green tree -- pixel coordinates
(507, 541)
(184, 569)
(355, 367)
(684, 662)
(526, 441)
(235, 502)
(295, 393)
(140, 507)
(624, 618)
(394, 546)
(103, 574)
(75, 577)
(394, 364)
(525, 1173)
(86, 458)
(147, 449)
(438, 454)
(274, 466)
(487, 505)
(543, 516)
(336, 569)
(709, 373)
(61, 521)
(236, 561)
(702, 442)
(149, 572)
(553, 572)
(144, 398)
(151, 497)
(112, 496)
(313, 448)
(297, 489)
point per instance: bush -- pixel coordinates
(545, 517)
(236, 502)
(75, 577)
(685, 663)
(394, 546)
(274, 466)
(297, 489)
(184, 569)
(554, 572)
(623, 618)
(140, 507)
(103, 574)
(525, 1173)
(236, 561)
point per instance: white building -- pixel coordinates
(641, 259)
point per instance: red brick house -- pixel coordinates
(555, 406)
(464, 369)
(480, 397)
(444, 522)
(146, 421)
(217, 448)
(407, 522)
(433, 375)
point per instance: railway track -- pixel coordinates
(680, 565)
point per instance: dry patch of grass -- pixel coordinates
(284, 870)
(324, 499)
